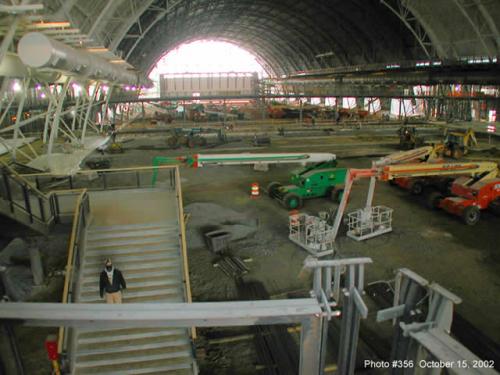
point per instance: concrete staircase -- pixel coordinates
(149, 257)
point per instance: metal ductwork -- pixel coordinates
(38, 51)
(11, 66)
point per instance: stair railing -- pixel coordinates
(21, 196)
(81, 219)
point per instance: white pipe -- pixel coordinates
(37, 50)
(12, 66)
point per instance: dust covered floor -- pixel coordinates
(434, 244)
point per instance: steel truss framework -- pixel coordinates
(289, 35)
(91, 100)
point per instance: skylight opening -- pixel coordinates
(206, 57)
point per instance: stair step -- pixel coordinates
(128, 295)
(134, 250)
(132, 227)
(160, 298)
(133, 347)
(173, 236)
(163, 274)
(142, 290)
(147, 232)
(120, 261)
(136, 284)
(172, 368)
(134, 242)
(127, 269)
(105, 335)
(133, 359)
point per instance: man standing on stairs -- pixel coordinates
(112, 282)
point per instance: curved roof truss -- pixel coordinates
(290, 35)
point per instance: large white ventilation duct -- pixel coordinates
(38, 51)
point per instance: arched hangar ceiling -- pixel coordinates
(291, 35)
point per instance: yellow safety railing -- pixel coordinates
(80, 217)
(183, 242)
(79, 220)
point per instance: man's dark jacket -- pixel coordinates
(117, 284)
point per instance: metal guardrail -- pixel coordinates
(97, 180)
(81, 218)
(45, 209)
(23, 197)
(184, 259)
(141, 177)
(105, 179)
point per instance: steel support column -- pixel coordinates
(54, 129)
(310, 346)
(19, 115)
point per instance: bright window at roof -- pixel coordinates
(205, 56)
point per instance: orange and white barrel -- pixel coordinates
(294, 217)
(255, 192)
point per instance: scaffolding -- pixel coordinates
(312, 234)
(369, 222)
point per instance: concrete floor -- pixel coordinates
(432, 243)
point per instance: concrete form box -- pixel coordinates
(218, 240)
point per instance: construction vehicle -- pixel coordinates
(194, 137)
(260, 161)
(115, 148)
(477, 189)
(408, 138)
(480, 190)
(261, 140)
(324, 179)
(457, 143)
(316, 181)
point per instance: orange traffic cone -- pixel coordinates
(255, 190)
(294, 217)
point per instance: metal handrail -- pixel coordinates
(110, 170)
(105, 176)
(21, 179)
(29, 191)
(80, 220)
(182, 224)
(82, 209)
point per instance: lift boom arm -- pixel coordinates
(487, 170)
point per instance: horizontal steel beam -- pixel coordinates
(203, 314)
(22, 8)
(117, 100)
(312, 262)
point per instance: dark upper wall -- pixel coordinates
(286, 35)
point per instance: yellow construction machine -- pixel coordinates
(457, 143)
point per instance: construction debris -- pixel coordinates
(231, 266)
